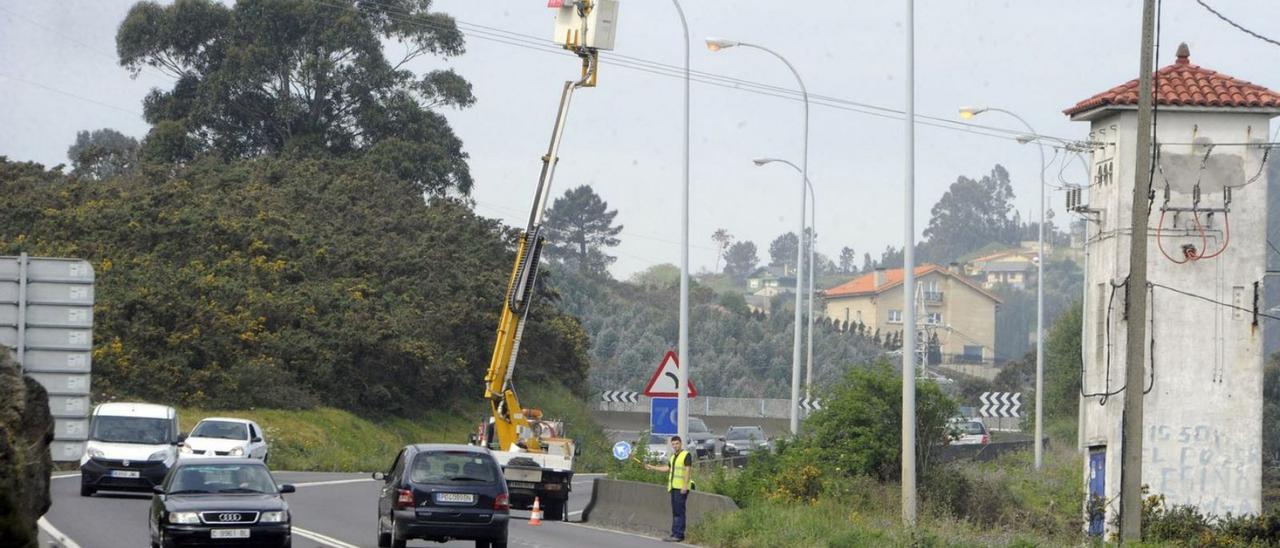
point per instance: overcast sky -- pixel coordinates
(59, 74)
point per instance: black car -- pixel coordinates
(220, 502)
(442, 492)
(740, 441)
(701, 441)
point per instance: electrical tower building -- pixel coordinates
(1202, 434)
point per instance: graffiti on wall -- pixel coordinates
(1200, 465)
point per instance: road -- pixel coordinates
(330, 510)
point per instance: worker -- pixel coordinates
(679, 471)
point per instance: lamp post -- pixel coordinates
(682, 372)
(970, 112)
(813, 230)
(717, 44)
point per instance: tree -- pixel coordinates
(782, 251)
(970, 215)
(740, 260)
(868, 264)
(722, 238)
(580, 227)
(659, 275)
(102, 154)
(264, 77)
(892, 257)
(847, 260)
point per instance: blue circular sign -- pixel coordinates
(621, 450)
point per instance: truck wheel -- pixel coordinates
(556, 512)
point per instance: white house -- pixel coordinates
(1207, 243)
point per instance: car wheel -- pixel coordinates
(288, 543)
(86, 491)
(556, 511)
(384, 538)
(396, 541)
(482, 544)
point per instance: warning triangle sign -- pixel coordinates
(665, 380)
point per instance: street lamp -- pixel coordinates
(682, 372)
(717, 44)
(813, 230)
(967, 113)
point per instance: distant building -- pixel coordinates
(960, 312)
(782, 277)
(1015, 267)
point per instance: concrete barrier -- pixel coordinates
(984, 453)
(646, 507)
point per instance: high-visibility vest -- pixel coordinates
(678, 474)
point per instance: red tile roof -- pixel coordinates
(865, 284)
(1185, 84)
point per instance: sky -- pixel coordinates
(59, 74)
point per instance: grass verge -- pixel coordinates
(333, 440)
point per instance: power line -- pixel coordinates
(1237, 25)
(1213, 301)
(69, 94)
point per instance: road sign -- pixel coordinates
(46, 318)
(665, 383)
(621, 450)
(1000, 404)
(620, 396)
(663, 416)
(810, 404)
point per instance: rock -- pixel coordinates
(26, 428)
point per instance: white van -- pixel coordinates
(131, 447)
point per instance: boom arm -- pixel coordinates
(508, 417)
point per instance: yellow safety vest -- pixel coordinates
(678, 474)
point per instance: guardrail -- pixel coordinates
(646, 507)
(983, 453)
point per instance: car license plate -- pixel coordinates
(521, 485)
(125, 474)
(456, 498)
(229, 533)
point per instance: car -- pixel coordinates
(969, 432)
(225, 437)
(130, 447)
(442, 492)
(220, 502)
(657, 447)
(742, 440)
(701, 440)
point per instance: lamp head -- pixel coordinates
(1026, 138)
(762, 161)
(717, 44)
(970, 112)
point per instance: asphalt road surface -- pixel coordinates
(329, 510)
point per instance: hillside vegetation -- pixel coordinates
(284, 282)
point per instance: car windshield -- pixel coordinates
(148, 431)
(972, 428)
(744, 434)
(225, 430)
(696, 425)
(453, 467)
(221, 478)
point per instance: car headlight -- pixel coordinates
(238, 451)
(184, 517)
(94, 452)
(162, 454)
(274, 517)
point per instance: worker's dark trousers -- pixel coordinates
(677, 513)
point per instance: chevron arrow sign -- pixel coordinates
(1000, 404)
(810, 404)
(620, 396)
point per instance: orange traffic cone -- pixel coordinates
(535, 517)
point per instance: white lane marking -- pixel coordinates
(63, 540)
(75, 475)
(331, 482)
(628, 533)
(322, 539)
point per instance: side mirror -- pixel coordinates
(287, 488)
(379, 476)
(721, 438)
(473, 439)
(182, 438)
(256, 440)
(158, 490)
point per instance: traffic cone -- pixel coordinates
(535, 517)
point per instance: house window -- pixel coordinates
(895, 316)
(846, 315)
(972, 353)
(859, 316)
(933, 318)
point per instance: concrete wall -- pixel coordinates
(1203, 414)
(646, 507)
(854, 308)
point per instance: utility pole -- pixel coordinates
(1135, 295)
(909, 286)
